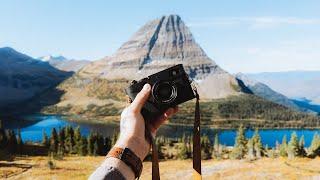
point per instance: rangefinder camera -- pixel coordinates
(169, 88)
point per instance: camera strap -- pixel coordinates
(196, 146)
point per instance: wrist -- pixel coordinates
(137, 145)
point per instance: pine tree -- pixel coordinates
(83, 148)
(293, 146)
(19, 143)
(3, 139)
(283, 147)
(257, 144)
(69, 142)
(184, 150)
(216, 147)
(45, 140)
(78, 141)
(62, 138)
(91, 142)
(250, 145)
(53, 141)
(216, 142)
(114, 138)
(302, 151)
(100, 143)
(240, 148)
(314, 149)
(12, 142)
(107, 144)
(95, 148)
(206, 149)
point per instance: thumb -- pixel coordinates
(141, 98)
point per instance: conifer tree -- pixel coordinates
(69, 142)
(100, 143)
(45, 140)
(216, 142)
(95, 148)
(83, 147)
(3, 139)
(302, 151)
(114, 138)
(184, 152)
(293, 146)
(314, 149)
(12, 142)
(257, 144)
(53, 141)
(206, 149)
(283, 147)
(240, 148)
(62, 138)
(78, 140)
(19, 143)
(91, 142)
(3, 144)
(107, 144)
(250, 145)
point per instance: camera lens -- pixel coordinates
(164, 92)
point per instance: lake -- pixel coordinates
(33, 131)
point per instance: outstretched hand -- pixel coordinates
(132, 124)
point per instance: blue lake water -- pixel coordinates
(34, 131)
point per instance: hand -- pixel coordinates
(132, 124)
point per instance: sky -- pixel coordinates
(241, 36)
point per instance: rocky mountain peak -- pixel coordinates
(158, 44)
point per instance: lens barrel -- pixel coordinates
(164, 92)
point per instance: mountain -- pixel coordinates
(64, 64)
(97, 90)
(157, 45)
(264, 91)
(301, 86)
(22, 77)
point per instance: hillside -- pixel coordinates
(23, 77)
(264, 91)
(303, 84)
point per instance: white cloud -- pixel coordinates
(254, 22)
(283, 56)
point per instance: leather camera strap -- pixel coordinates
(196, 146)
(196, 141)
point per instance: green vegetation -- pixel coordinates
(249, 110)
(69, 141)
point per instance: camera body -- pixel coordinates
(170, 87)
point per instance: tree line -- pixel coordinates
(70, 141)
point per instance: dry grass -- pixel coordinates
(81, 167)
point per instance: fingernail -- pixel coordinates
(146, 87)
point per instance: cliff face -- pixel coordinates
(157, 45)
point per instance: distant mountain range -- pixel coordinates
(64, 64)
(23, 77)
(302, 87)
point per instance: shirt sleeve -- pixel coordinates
(106, 172)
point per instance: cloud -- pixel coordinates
(253, 22)
(283, 56)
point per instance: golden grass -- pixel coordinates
(81, 167)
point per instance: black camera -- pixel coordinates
(170, 87)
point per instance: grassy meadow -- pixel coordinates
(77, 167)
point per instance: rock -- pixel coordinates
(159, 44)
